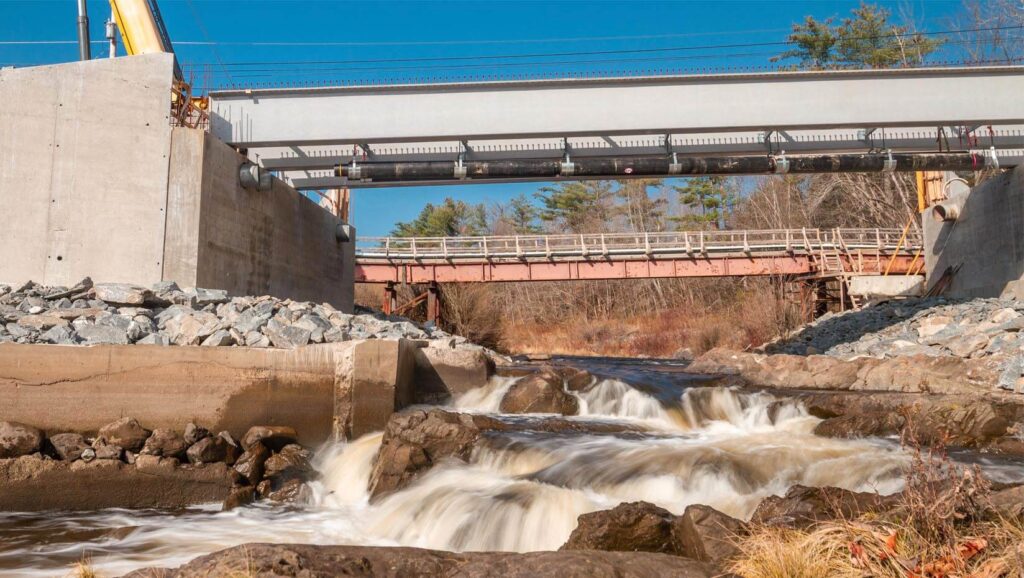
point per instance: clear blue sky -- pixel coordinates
(260, 41)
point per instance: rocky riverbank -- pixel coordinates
(165, 314)
(128, 466)
(985, 331)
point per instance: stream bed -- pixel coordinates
(520, 491)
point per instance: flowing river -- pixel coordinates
(520, 492)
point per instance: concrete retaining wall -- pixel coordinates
(80, 389)
(104, 187)
(342, 389)
(986, 241)
(275, 242)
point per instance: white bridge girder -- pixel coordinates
(304, 132)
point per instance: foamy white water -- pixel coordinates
(520, 492)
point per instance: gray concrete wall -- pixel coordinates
(102, 186)
(986, 241)
(83, 166)
(276, 242)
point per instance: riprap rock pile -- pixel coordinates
(165, 314)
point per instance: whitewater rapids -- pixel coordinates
(519, 492)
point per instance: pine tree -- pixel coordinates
(450, 219)
(577, 207)
(866, 39)
(708, 198)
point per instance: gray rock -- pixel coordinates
(125, 432)
(194, 433)
(107, 451)
(165, 443)
(204, 297)
(16, 331)
(192, 329)
(60, 335)
(316, 326)
(286, 336)
(219, 338)
(165, 287)
(968, 344)
(335, 335)
(121, 293)
(1010, 377)
(154, 339)
(252, 320)
(68, 446)
(213, 449)
(92, 334)
(256, 339)
(18, 439)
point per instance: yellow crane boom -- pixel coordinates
(143, 32)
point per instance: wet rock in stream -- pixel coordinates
(273, 560)
(416, 440)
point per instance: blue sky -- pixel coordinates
(260, 41)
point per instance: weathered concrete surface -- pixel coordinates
(443, 373)
(275, 242)
(30, 484)
(84, 153)
(80, 389)
(887, 285)
(987, 240)
(343, 389)
(371, 380)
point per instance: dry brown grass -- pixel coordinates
(753, 318)
(653, 318)
(83, 569)
(943, 527)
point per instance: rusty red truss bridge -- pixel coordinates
(790, 253)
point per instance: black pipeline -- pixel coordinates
(626, 167)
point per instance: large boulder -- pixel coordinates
(239, 496)
(803, 506)
(278, 560)
(68, 446)
(213, 449)
(955, 420)
(1008, 502)
(542, 392)
(125, 432)
(417, 439)
(292, 462)
(18, 439)
(289, 491)
(632, 527)
(251, 464)
(703, 533)
(121, 293)
(274, 437)
(165, 443)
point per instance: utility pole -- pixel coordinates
(84, 52)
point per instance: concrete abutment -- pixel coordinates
(105, 187)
